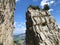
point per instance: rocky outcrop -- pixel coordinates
(6, 21)
(41, 28)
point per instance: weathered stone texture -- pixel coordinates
(6, 21)
(41, 28)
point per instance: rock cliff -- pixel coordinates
(6, 21)
(41, 28)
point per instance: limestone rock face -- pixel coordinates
(41, 28)
(6, 21)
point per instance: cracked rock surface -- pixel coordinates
(41, 28)
(6, 21)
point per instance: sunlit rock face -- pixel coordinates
(6, 21)
(41, 28)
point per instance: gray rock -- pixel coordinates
(7, 8)
(42, 29)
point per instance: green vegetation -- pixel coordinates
(19, 39)
(46, 7)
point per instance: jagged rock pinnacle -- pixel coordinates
(41, 28)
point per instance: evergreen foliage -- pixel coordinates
(46, 7)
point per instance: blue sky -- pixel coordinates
(21, 8)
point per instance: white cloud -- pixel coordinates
(14, 23)
(17, 0)
(59, 26)
(19, 28)
(51, 2)
(43, 2)
(50, 10)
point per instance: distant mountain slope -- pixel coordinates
(19, 38)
